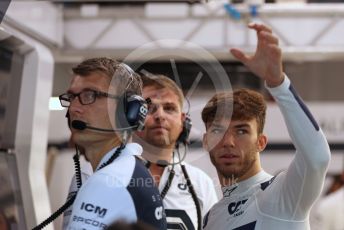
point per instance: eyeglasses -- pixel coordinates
(85, 97)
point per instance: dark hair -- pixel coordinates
(242, 104)
(161, 82)
(120, 75)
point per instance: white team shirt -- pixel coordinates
(263, 202)
(329, 214)
(178, 203)
(122, 190)
(86, 172)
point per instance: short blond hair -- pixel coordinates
(160, 82)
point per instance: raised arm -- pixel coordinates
(299, 187)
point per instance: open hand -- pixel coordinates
(266, 63)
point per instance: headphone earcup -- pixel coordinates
(68, 118)
(131, 112)
(184, 135)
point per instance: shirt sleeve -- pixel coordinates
(296, 190)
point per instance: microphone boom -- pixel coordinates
(80, 125)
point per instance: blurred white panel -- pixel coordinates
(331, 38)
(299, 31)
(171, 29)
(330, 116)
(210, 35)
(44, 18)
(166, 10)
(122, 34)
(80, 33)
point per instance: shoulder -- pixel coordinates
(117, 173)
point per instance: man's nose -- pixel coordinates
(75, 105)
(159, 113)
(228, 140)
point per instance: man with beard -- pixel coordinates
(234, 137)
(187, 192)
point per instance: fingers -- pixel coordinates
(239, 55)
(274, 51)
(264, 33)
(268, 37)
(259, 27)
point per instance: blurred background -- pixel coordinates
(188, 41)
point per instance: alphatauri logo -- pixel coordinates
(158, 213)
(182, 186)
(234, 207)
(101, 212)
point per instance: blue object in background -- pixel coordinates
(232, 12)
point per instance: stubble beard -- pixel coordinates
(235, 171)
(162, 141)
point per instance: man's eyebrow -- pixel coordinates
(241, 126)
(170, 103)
(85, 89)
(217, 125)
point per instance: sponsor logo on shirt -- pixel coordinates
(228, 192)
(159, 213)
(234, 207)
(101, 212)
(91, 222)
(182, 186)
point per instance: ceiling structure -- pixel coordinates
(177, 32)
(118, 28)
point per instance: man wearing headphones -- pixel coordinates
(187, 192)
(104, 108)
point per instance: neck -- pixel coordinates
(96, 151)
(226, 181)
(154, 155)
(157, 155)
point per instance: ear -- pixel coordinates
(262, 142)
(182, 117)
(205, 142)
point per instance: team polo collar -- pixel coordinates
(131, 149)
(245, 184)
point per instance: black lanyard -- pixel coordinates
(168, 184)
(70, 201)
(191, 190)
